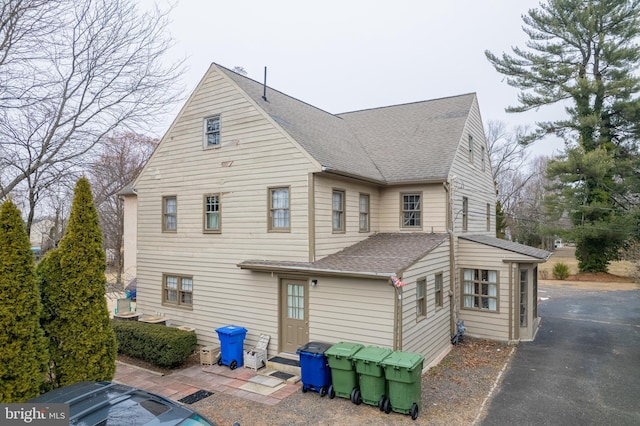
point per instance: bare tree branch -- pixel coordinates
(101, 69)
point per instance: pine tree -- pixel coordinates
(584, 54)
(76, 319)
(23, 354)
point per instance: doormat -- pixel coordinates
(195, 397)
(285, 361)
(281, 375)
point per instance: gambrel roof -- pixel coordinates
(414, 142)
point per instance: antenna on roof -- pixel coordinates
(264, 87)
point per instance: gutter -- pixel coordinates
(317, 271)
(329, 170)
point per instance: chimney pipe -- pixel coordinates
(264, 90)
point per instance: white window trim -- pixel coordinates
(469, 295)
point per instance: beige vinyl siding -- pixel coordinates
(429, 336)
(254, 155)
(353, 310)
(130, 237)
(490, 325)
(434, 207)
(329, 242)
(469, 180)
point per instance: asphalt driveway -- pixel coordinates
(584, 366)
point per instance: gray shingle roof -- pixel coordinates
(401, 143)
(413, 142)
(509, 246)
(382, 254)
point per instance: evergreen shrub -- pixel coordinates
(560, 271)
(166, 347)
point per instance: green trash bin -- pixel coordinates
(403, 371)
(343, 374)
(373, 384)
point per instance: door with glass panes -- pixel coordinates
(294, 315)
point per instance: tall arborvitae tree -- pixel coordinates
(584, 54)
(76, 321)
(23, 354)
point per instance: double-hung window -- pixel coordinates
(212, 131)
(411, 210)
(212, 210)
(421, 297)
(279, 215)
(364, 212)
(170, 214)
(480, 289)
(465, 214)
(177, 290)
(338, 211)
(438, 289)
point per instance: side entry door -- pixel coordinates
(294, 315)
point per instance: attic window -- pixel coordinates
(212, 131)
(471, 149)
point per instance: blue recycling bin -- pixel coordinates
(314, 367)
(231, 345)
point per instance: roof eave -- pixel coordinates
(260, 267)
(330, 171)
(344, 174)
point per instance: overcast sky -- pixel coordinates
(354, 54)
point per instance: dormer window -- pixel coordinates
(212, 131)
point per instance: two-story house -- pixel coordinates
(374, 226)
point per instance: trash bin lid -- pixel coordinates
(406, 360)
(314, 347)
(372, 354)
(231, 330)
(343, 350)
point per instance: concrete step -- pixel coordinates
(285, 365)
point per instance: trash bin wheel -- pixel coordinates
(323, 391)
(233, 365)
(304, 389)
(220, 360)
(332, 392)
(357, 397)
(386, 406)
(381, 402)
(414, 411)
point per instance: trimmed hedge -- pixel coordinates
(165, 347)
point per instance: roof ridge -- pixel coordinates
(276, 90)
(408, 103)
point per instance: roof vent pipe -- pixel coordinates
(264, 87)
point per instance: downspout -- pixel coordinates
(311, 206)
(397, 318)
(511, 302)
(453, 303)
(515, 287)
